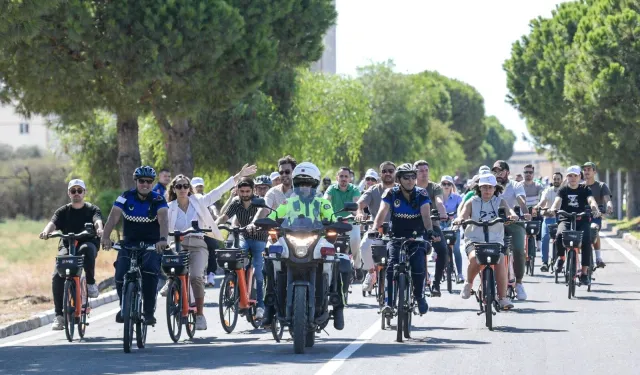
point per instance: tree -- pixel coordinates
(499, 141)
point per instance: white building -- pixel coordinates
(327, 63)
(16, 130)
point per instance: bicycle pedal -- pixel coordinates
(493, 312)
(480, 313)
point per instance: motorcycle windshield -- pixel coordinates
(301, 224)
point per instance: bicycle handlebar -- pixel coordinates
(483, 223)
(70, 235)
(569, 215)
(118, 247)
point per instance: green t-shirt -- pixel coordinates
(468, 196)
(339, 197)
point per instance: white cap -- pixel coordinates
(76, 182)
(446, 178)
(197, 181)
(574, 169)
(484, 169)
(372, 173)
(274, 175)
(487, 179)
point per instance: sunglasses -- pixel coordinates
(286, 171)
(371, 179)
(388, 171)
(498, 172)
(446, 184)
(145, 181)
(76, 191)
(181, 186)
(528, 172)
(409, 177)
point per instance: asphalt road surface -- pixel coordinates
(598, 332)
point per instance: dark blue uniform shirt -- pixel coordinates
(406, 220)
(140, 216)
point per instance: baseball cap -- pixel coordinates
(589, 164)
(484, 169)
(274, 175)
(574, 169)
(197, 181)
(487, 179)
(371, 173)
(501, 164)
(446, 178)
(76, 182)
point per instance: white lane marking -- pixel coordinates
(334, 363)
(51, 333)
(623, 251)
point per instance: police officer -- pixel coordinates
(410, 217)
(145, 220)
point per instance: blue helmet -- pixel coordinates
(262, 180)
(144, 171)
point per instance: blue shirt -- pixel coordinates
(160, 189)
(451, 204)
(406, 219)
(140, 217)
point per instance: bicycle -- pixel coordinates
(76, 305)
(572, 241)
(450, 237)
(132, 297)
(487, 256)
(235, 298)
(180, 306)
(532, 229)
(379, 255)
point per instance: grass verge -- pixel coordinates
(632, 226)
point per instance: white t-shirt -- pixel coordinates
(184, 219)
(275, 196)
(511, 190)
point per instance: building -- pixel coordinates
(544, 167)
(327, 63)
(16, 130)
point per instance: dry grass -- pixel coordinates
(26, 266)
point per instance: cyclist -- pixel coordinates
(278, 194)
(435, 196)
(452, 200)
(145, 220)
(306, 178)
(484, 206)
(164, 178)
(514, 194)
(262, 184)
(371, 200)
(370, 178)
(338, 194)
(575, 198)
(548, 196)
(71, 218)
(532, 189)
(410, 209)
(602, 195)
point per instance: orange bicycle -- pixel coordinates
(181, 307)
(75, 305)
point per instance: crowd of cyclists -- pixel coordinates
(401, 198)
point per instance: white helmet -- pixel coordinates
(306, 171)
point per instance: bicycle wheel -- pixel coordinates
(532, 254)
(141, 326)
(380, 290)
(190, 325)
(69, 308)
(401, 305)
(174, 309)
(82, 323)
(251, 313)
(128, 311)
(450, 270)
(228, 302)
(277, 329)
(408, 315)
(488, 289)
(571, 273)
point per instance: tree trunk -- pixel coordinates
(633, 194)
(178, 137)
(613, 187)
(128, 150)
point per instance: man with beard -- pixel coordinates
(548, 196)
(277, 195)
(514, 195)
(371, 199)
(602, 195)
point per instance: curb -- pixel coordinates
(626, 237)
(46, 317)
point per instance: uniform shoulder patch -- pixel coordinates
(327, 206)
(424, 192)
(159, 198)
(121, 200)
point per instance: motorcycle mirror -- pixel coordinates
(258, 202)
(349, 206)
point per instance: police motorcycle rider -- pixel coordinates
(305, 203)
(410, 208)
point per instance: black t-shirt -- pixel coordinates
(71, 220)
(574, 200)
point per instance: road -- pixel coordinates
(548, 334)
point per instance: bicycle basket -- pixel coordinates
(379, 253)
(488, 253)
(178, 262)
(71, 263)
(553, 230)
(533, 227)
(231, 259)
(450, 236)
(507, 244)
(572, 238)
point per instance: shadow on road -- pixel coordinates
(535, 311)
(527, 330)
(595, 298)
(448, 309)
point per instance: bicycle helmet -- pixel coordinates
(306, 172)
(144, 171)
(405, 168)
(262, 180)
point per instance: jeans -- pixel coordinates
(150, 268)
(256, 247)
(546, 237)
(89, 250)
(417, 253)
(456, 251)
(440, 248)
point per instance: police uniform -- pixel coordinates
(316, 209)
(140, 224)
(406, 221)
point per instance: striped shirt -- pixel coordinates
(245, 217)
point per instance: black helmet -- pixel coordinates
(144, 171)
(262, 180)
(405, 168)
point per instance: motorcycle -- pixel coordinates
(305, 273)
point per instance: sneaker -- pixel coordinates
(505, 303)
(338, 318)
(211, 279)
(423, 306)
(559, 265)
(600, 263)
(466, 291)
(460, 279)
(544, 267)
(521, 295)
(119, 318)
(259, 313)
(367, 285)
(201, 323)
(165, 289)
(584, 279)
(58, 323)
(151, 320)
(435, 290)
(92, 290)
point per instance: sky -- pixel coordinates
(468, 40)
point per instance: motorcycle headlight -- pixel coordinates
(301, 244)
